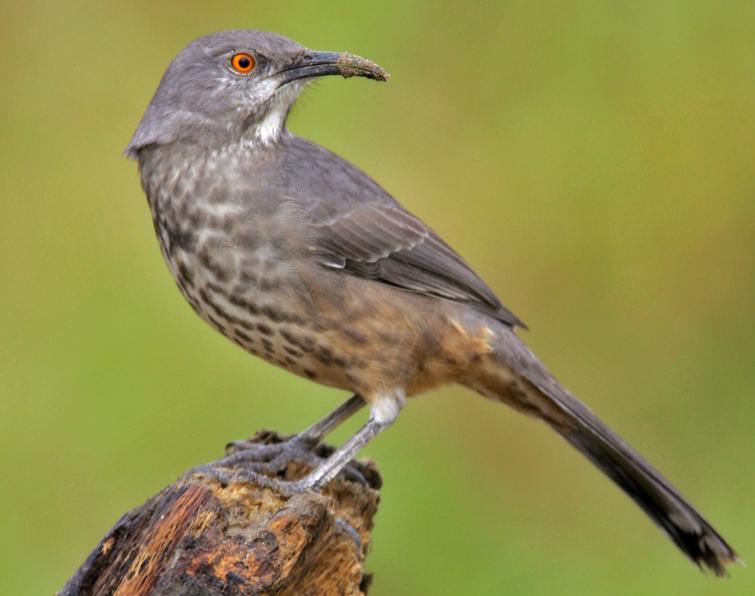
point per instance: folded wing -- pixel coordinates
(384, 242)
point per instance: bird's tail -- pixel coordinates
(533, 390)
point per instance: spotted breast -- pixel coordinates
(226, 255)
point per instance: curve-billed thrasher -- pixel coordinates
(302, 259)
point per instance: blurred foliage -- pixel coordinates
(594, 162)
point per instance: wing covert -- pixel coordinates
(384, 242)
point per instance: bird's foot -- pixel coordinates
(271, 461)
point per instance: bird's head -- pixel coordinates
(237, 84)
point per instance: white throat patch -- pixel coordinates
(271, 127)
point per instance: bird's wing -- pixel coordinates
(380, 240)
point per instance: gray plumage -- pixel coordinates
(304, 260)
(354, 224)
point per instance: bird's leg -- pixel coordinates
(323, 470)
(328, 469)
(273, 457)
(262, 462)
(322, 427)
(312, 434)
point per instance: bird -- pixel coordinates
(302, 259)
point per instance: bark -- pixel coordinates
(203, 536)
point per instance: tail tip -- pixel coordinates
(714, 555)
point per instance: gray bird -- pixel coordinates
(302, 259)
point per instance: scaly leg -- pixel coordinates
(328, 469)
(333, 420)
(312, 434)
(261, 460)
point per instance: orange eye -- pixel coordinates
(242, 63)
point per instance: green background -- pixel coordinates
(592, 160)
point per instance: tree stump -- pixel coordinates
(201, 536)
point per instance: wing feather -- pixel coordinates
(384, 242)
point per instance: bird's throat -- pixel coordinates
(272, 125)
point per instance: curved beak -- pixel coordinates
(319, 64)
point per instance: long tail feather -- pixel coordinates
(689, 530)
(537, 392)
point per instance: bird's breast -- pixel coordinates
(240, 258)
(233, 254)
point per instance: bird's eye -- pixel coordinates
(242, 62)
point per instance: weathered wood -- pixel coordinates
(202, 536)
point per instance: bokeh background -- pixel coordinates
(592, 160)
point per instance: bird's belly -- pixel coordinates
(353, 340)
(264, 312)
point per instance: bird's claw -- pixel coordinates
(264, 461)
